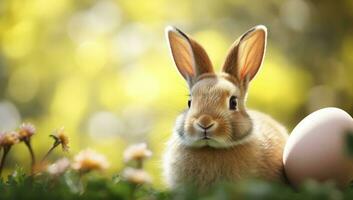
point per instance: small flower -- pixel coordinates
(61, 138)
(136, 176)
(88, 160)
(137, 152)
(8, 139)
(27, 130)
(59, 167)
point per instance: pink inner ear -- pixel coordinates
(182, 54)
(251, 53)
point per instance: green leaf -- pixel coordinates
(74, 182)
(18, 177)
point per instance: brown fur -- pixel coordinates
(261, 158)
(213, 142)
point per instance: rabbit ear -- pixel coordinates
(189, 57)
(246, 55)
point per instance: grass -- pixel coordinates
(71, 185)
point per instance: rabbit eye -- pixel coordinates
(233, 103)
(189, 103)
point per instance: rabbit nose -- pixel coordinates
(205, 122)
(203, 127)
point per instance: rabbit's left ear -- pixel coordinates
(246, 55)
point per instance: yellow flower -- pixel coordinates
(88, 160)
(137, 152)
(26, 131)
(59, 167)
(8, 139)
(61, 138)
(136, 176)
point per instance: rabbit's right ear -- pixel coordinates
(189, 57)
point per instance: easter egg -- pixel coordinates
(316, 148)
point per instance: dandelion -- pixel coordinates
(137, 152)
(7, 140)
(136, 176)
(59, 167)
(60, 138)
(88, 160)
(25, 133)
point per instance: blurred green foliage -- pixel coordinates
(102, 69)
(20, 186)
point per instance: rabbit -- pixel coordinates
(217, 138)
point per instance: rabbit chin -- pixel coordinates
(199, 143)
(217, 143)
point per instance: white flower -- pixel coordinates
(136, 176)
(59, 167)
(137, 152)
(88, 160)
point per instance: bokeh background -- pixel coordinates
(102, 69)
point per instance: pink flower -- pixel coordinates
(59, 167)
(136, 176)
(137, 152)
(88, 160)
(27, 130)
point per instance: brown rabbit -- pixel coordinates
(217, 138)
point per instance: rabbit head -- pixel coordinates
(217, 116)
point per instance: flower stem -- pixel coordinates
(4, 155)
(33, 159)
(132, 191)
(139, 163)
(49, 152)
(81, 188)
